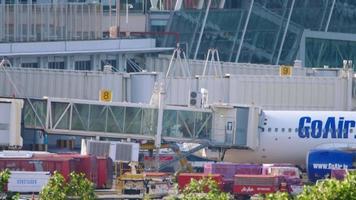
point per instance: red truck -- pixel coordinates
(248, 185)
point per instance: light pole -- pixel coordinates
(127, 10)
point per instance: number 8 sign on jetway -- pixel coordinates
(105, 95)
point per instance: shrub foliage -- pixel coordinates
(204, 189)
(78, 187)
(327, 189)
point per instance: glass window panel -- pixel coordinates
(30, 118)
(170, 127)
(116, 117)
(186, 123)
(149, 121)
(203, 124)
(321, 52)
(133, 120)
(57, 110)
(80, 117)
(98, 115)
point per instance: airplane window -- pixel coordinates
(296, 129)
(269, 129)
(289, 130)
(283, 129)
(351, 130)
(263, 129)
(276, 130)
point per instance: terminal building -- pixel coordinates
(47, 33)
(62, 49)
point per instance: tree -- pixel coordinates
(203, 189)
(78, 187)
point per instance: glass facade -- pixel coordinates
(186, 124)
(268, 32)
(250, 31)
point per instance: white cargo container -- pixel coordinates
(27, 182)
(117, 151)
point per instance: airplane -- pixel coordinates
(287, 136)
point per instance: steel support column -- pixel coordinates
(202, 29)
(244, 31)
(285, 32)
(325, 30)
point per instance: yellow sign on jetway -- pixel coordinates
(285, 70)
(105, 95)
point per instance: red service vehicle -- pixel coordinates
(86, 164)
(255, 184)
(291, 176)
(105, 172)
(185, 178)
(63, 165)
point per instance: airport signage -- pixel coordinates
(105, 95)
(331, 128)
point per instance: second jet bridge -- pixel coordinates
(236, 126)
(219, 125)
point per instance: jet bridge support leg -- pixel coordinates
(158, 138)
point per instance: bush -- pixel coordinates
(81, 187)
(203, 189)
(4, 179)
(78, 187)
(327, 189)
(331, 189)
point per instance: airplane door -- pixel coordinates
(229, 131)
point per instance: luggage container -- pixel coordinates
(185, 178)
(229, 170)
(105, 172)
(86, 164)
(291, 176)
(63, 165)
(338, 174)
(248, 169)
(267, 166)
(255, 184)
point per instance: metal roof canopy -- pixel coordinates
(81, 47)
(321, 35)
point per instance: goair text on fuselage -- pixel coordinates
(331, 128)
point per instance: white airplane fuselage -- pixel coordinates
(287, 136)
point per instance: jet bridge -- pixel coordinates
(118, 120)
(221, 125)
